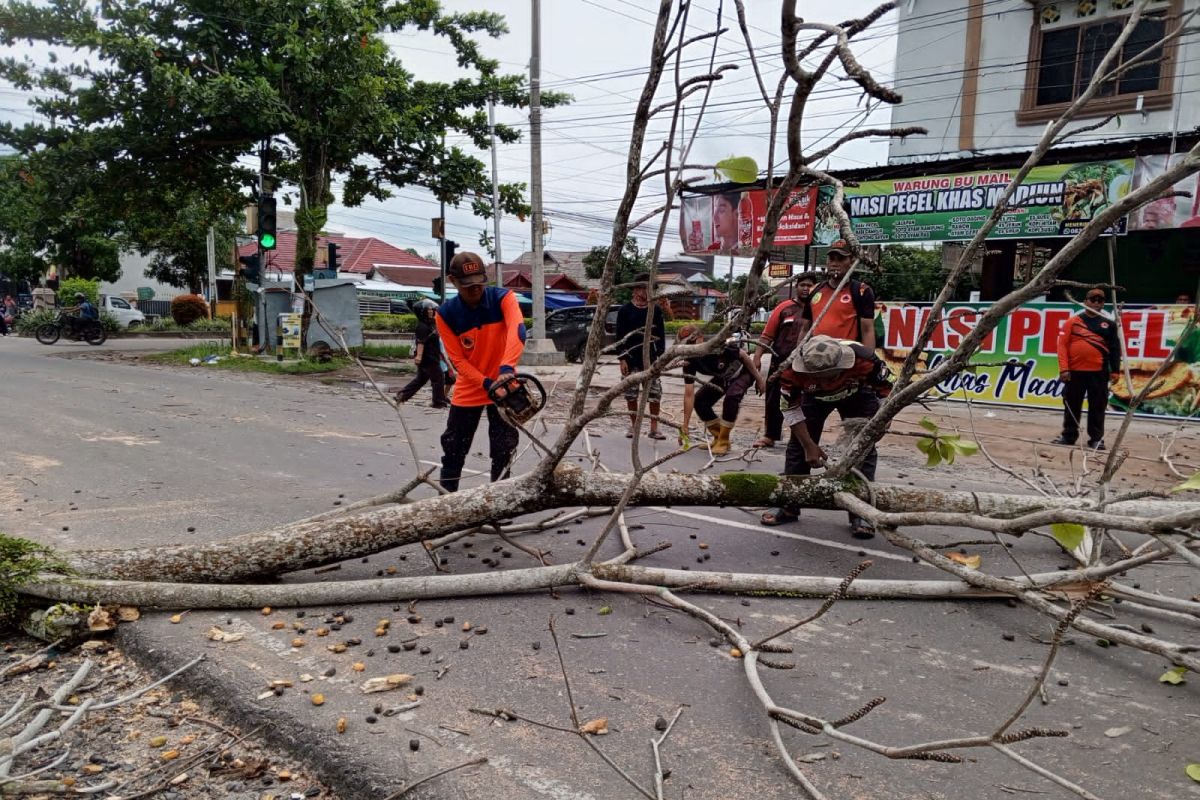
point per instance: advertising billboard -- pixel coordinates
(732, 222)
(1018, 362)
(1052, 201)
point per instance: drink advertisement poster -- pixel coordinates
(1018, 362)
(732, 223)
(1052, 201)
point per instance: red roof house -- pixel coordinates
(357, 256)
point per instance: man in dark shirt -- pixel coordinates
(428, 356)
(731, 372)
(827, 375)
(631, 326)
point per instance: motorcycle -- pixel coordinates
(87, 330)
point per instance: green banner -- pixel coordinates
(1018, 362)
(1053, 201)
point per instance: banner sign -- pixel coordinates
(1052, 201)
(732, 222)
(1180, 211)
(1018, 362)
(777, 270)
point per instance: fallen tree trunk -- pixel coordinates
(314, 543)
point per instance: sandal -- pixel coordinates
(861, 529)
(656, 435)
(764, 442)
(778, 516)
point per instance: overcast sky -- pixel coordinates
(597, 50)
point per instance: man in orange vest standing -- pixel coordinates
(483, 333)
(1088, 353)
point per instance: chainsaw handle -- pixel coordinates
(533, 381)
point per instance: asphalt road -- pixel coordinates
(111, 453)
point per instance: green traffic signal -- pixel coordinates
(267, 241)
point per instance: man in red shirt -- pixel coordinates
(851, 310)
(785, 327)
(483, 333)
(1088, 353)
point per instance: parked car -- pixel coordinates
(568, 329)
(126, 315)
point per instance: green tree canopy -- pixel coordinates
(632, 262)
(166, 96)
(911, 273)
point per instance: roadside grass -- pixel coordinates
(243, 363)
(385, 350)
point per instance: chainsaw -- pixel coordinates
(512, 394)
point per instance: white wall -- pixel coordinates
(929, 74)
(133, 275)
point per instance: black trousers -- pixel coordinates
(773, 417)
(1093, 386)
(733, 394)
(863, 403)
(426, 373)
(461, 423)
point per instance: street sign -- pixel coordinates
(324, 274)
(775, 270)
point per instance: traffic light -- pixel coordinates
(448, 250)
(250, 268)
(266, 222)
(332, 261)
(437, 287)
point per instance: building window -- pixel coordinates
(1065, 54)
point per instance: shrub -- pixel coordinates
(712, 326)
(187, 308)
(397, 323)
(69, 286)
(20, 562)
(29, 322)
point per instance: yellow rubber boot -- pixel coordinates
(721, 445)
(714, 432)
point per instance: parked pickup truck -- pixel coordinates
(119, 308)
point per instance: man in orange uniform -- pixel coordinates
(851, 313)
(1088, 353)
(483, 333)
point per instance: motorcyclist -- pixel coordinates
(74, 316)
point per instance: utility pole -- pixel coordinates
(211, 246)
(442, 249)
(538, 350)
(495, 196)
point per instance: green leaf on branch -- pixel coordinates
(1192, 484)
(1174, 676)
(964, 447)
(930, 449)
(946, 450)
(1193, 772)
(1068, 534)
(929, 425)
(739, 169)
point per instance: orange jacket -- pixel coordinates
(1088, 343)
(480, 340)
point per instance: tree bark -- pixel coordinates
(310, 544)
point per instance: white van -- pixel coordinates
(119, 307)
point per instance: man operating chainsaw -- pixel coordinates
(483, 333)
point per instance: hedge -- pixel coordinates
(712, 326)
(396, 323)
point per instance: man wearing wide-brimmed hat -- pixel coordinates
(824, 375)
